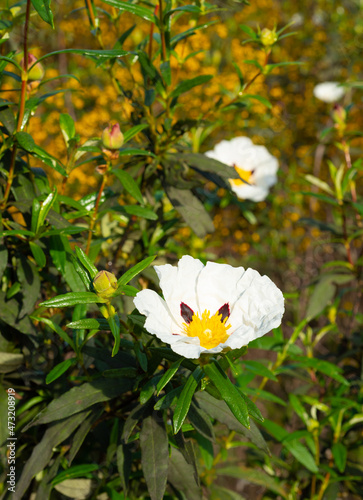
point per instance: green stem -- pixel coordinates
(95, 212)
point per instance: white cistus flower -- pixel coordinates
(254, 164)
(328, 91)
(210, 308)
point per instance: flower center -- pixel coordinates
(244, 174)
(211, 331)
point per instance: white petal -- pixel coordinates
(250, 192)
(179, 285)
(217, 285)
(158, 318)
(328, 91)
(258, 310)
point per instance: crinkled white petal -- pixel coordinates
(217, 285)
(328, 91)
(242, 153)
(178, 284)
(256, 304)
(158, 318)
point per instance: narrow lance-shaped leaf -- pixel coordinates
(229, 393)
(185, 398)
(43, 9)
(129, 184)
(86, 262)
(72, 299)
(186, 85)
(154, 456)
(135, 270)
(58, 370)
(139, 11)
(168, 375)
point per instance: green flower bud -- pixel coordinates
(268, 37)
(105, 284)
(37, 72)
(112, 137)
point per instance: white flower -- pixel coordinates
(210, 308)
(328, 91)
(254, 164)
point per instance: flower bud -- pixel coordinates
(112, 137)
(105, 284)
(37, 72)
(268, 37)
(339, 114)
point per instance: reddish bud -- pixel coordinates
(112, 137)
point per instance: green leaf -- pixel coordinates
(166, 72)
(206, 164)
(181, 476)
(89, 324)
(124, 462)
(104, 54)
(259, 98)
(57, 329)
(38, 254)
(320, 184)
(7, 117)
(187, 85)
(25, 141)
(143, 212)
(82, 273)
(254, 476)
(229, 392)
(134, 9)
(43, 451)
(135, 270)
(259, 369)
(67, 126)
(45, 206)
(43, 9)
(128, 183)
(62, 256)
(134, 152)
(75, 471)
(48, 159)
(115, 328)
(10, 361)
(154, 456)
(191, 209)
(322, 366)
(185, 398)
(72, 299)
(86, 262)
(81, 397)
(58, 370)
(201, 421)
(28, 276)
(168, 375)
(129, 134)
(297, 449)
(324, 292)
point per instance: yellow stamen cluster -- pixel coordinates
(211, 331)
(245, 176)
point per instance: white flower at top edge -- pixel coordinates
(328, 91)
(254, 164)
(209, 308)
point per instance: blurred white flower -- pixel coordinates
(254, 164)
(328, 91)
(210, 308)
